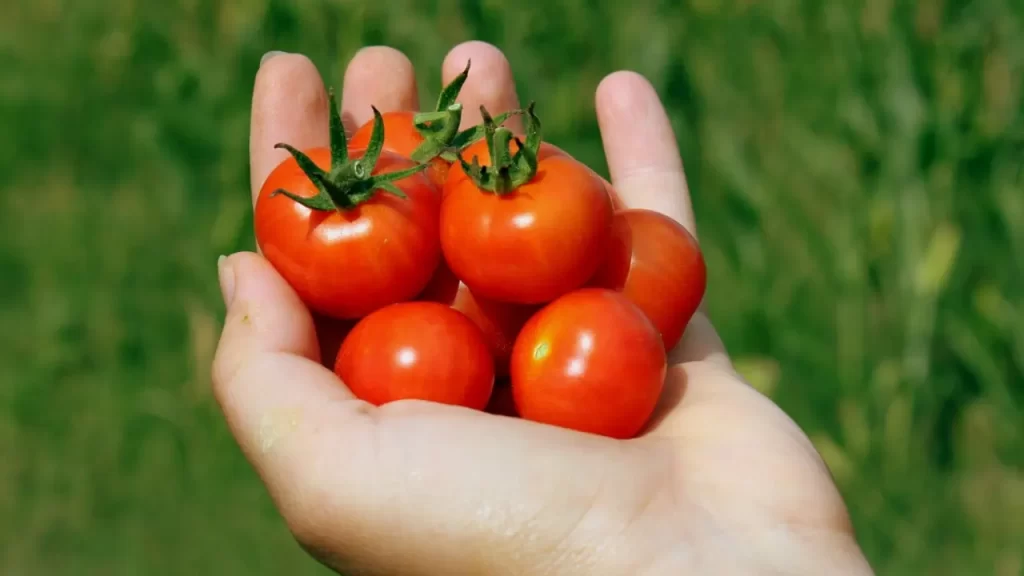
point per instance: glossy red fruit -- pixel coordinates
(590, 361)
(658, 265)
(521, 231)
(417, 351)
(350, 230)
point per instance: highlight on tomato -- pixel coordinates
(523, 227)
(428, 137)
(656, 263)
(351, 229)
(590, 361)
(417, 351)
(500, 322)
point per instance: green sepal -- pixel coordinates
(507, 171)
(440, 126)
(348, 183)
(474, 133)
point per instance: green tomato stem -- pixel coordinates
(440, 127)
(348, 183)
(506, 172)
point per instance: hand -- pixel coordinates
(721, 483)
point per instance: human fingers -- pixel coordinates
(490, 82)
(289, 104)
(640, 146)
(647, 173)
(264, 316)
(377, 76)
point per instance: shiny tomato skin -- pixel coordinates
(346, 265)
(402, 138)
(590, 361)
(500, 322)
(658, 265)
(534, 244)
(417, 351)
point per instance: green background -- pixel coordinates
(856, 168)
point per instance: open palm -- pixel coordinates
(722, 482)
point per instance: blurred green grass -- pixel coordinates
(857, 173)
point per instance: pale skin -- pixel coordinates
(721, 482)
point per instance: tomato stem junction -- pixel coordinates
(506, 171)
(349, 182)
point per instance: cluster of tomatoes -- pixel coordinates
(518, 266)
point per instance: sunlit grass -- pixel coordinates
(856, 168)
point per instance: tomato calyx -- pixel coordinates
(507, 171)
(349, 182)
(440, 128)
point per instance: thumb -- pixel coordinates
(275, 395)
(414, 487)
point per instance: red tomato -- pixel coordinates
(658, 265)
(533, 243)
(417, 350)
(402, 138)
(353, 246)
(590, 361)
(500, 322)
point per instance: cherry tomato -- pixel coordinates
(500, 322)
(351, 245)
(402, 138)
(590, 361)
(523, 233)
(659, 266)
(417, 350)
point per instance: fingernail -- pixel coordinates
(269, 55)
(226, 275)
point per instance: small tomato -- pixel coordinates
(350, 230)
(417, 351)
(590, 361)
(658, 265)
(527, 228)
